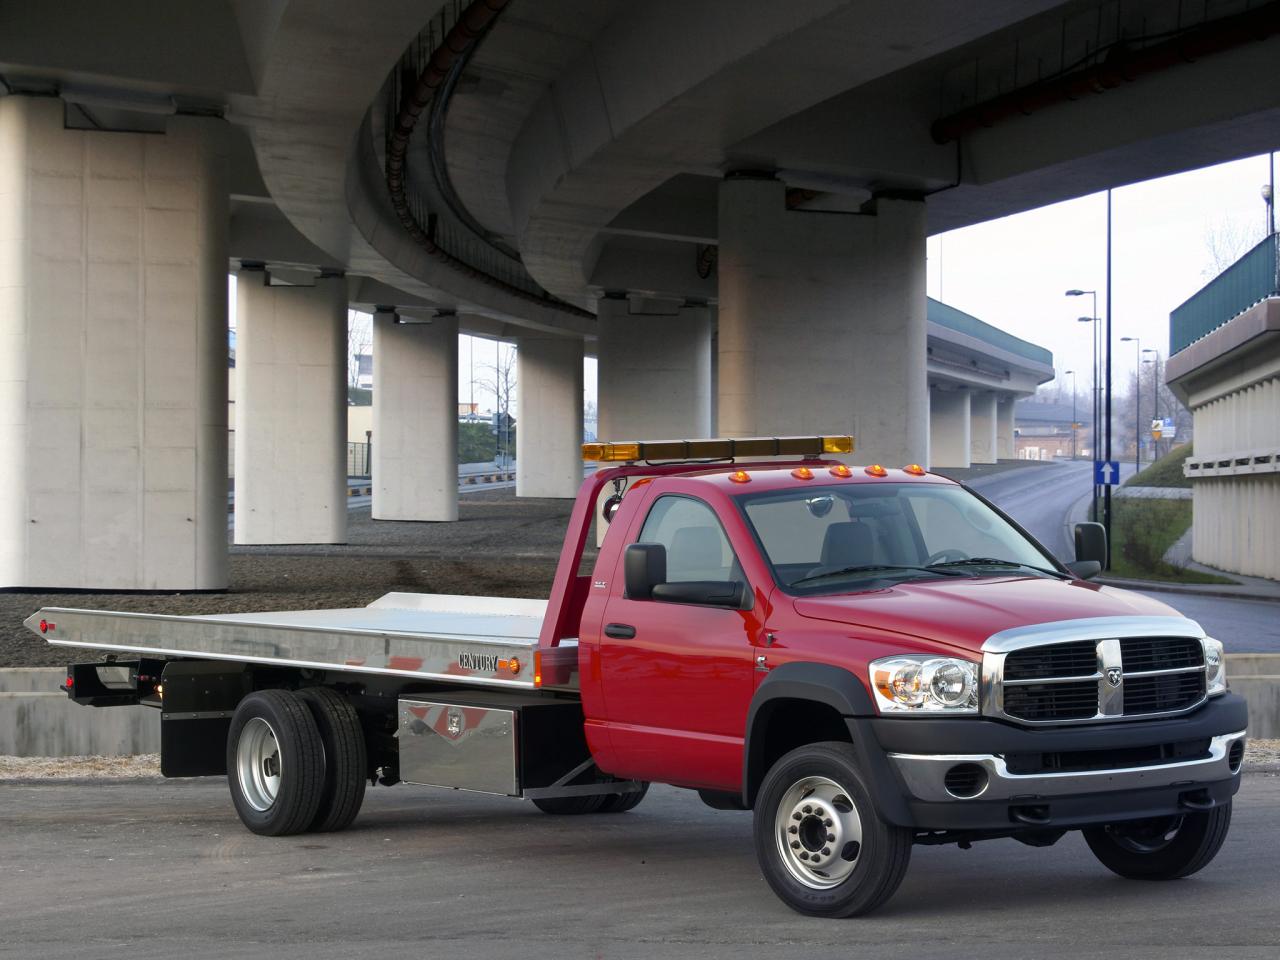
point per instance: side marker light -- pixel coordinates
(46, 626)
(875, 470)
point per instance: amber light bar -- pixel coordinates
(723, 449)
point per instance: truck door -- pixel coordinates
(677, 677)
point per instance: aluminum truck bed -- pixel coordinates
(485, 641)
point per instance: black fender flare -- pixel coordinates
(822, 683)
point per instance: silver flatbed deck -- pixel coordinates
(482, 641)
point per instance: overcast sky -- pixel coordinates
(1012, 273)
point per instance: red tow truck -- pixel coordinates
(867, 658)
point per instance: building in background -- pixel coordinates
(1043, 431)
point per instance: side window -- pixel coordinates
(697, 548)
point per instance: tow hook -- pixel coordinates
(1197, 800)
(1035, 815)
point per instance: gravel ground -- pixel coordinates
(1261, 756)
(500, 546)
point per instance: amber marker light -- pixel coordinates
(914, 469)
(537, 668)
(875, 470)
(840, 470)
(802, 473)
(740, 476)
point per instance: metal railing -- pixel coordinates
(1251, 279)
(358, 460)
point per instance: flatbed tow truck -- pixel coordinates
(866, 658)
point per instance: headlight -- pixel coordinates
(914, 684)
(1215, 667)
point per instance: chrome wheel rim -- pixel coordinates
(818, 832)
(258, 764)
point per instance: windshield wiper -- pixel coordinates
(994, 562)
(869, 567)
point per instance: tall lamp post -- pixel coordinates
(1094, 430)
(1072, 375)
(1137, 400)
(1155, 395)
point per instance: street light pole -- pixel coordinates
(1093, 319)
(1072, 373)
(1137, 400)
(1155, 396)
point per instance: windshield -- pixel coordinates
(855, 536)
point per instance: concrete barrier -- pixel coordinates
(38, 720)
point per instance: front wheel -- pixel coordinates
(1161, 848)
(822, 845)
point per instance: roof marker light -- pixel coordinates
(802, 473)
(840, 470)
(915, 470)
(740, 476)
(875, 470)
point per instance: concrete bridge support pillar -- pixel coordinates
(291, 411)
(548, 416)
(415, 418)
(982, 427)
(822, 322)
(113, 353)
(949, 428)
(655, 371)
(1005, 429)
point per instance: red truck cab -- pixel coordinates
(873, 658)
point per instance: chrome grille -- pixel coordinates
(1094, 680)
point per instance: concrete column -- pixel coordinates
(949, 428)
(113, 353)
(548, 416)
(982, 427)
(415, 418)
(291, 411)
(1005, 429)
(655, 372)
(822, 322)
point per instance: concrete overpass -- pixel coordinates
(744, 181)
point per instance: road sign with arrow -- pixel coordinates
(1106, 472)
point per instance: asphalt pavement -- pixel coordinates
(1046, 499)
(163, 869)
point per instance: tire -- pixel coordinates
(571, 806)
(814, 802)
(346, 760)
(275, 763)
(1162, 848)
(622, 802)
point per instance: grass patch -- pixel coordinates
(1165, 472)
(1142, 530)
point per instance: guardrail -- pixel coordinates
(1251, 279)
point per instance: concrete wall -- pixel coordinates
(1005, 428)
(113, 353)
(983, 430)
(291, 381)
(949, 444)
(655, 371)
(822, 322)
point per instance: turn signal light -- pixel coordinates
(802, 473)
(840, 470)
(914, 469)
(740, 476)
(875, 470)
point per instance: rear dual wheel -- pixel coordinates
(295, 762)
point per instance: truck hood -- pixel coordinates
(963, 613)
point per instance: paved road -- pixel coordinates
(164, 869)
(1044, 498)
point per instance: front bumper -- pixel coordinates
(909, 761)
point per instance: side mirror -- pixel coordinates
(1091, 550)
(644, 567)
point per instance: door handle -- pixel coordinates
(620, 631)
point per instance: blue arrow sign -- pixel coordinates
(1106, 472)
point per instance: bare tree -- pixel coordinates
(359, 340)
(500, 380)
(1226, 240)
